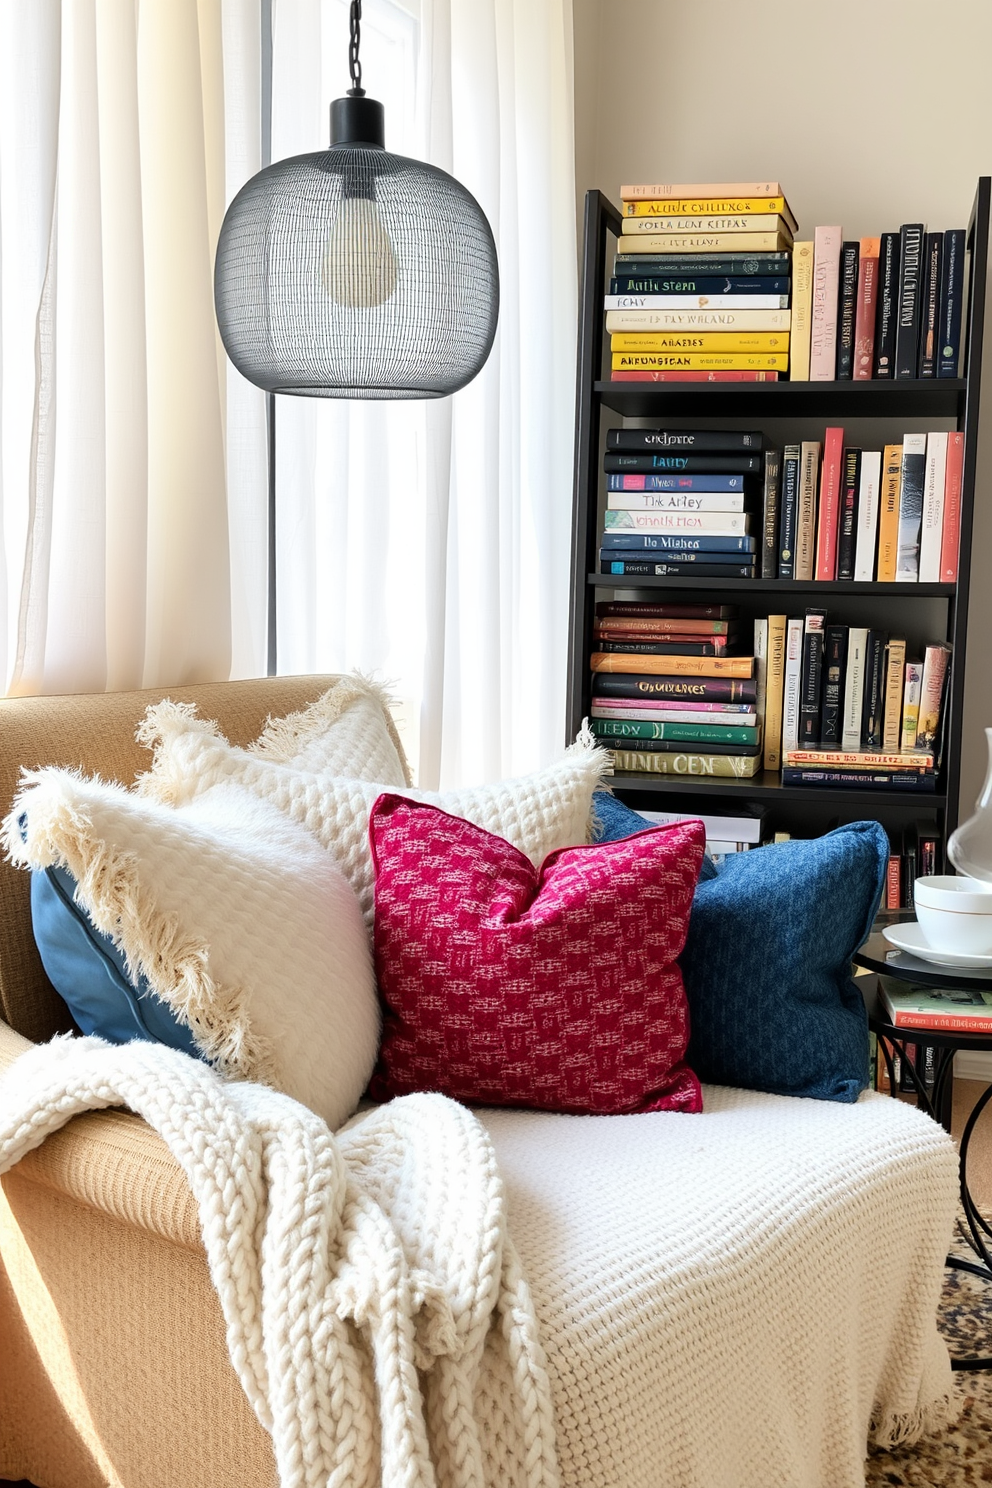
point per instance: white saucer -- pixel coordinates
(909, 937)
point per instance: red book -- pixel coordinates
(828, 515)
(893, 883)
(694, 377)
(951, 530)
(864, 320)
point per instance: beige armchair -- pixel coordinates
(114, 1371)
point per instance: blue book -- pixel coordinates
(676, 483)
(690, 542)
(704, 284)
(674, 555)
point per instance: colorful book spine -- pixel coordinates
(633, 544)
(694, 523)
(732, 203)
(930, 305)
(721, 224)
(946, 1022)
(729, 714)
(793, 674)
(914, 452)
(847, 305)
(811, 679)
(673, 733)
(699, 361)
(720, 766)
(672, 746)
(681, 689)
(911, 244)
(848, 522)
(829, 505)
(867, 307)
(911, 689)
(834, 657)
(861, 759)
(936, 659)
(895, 666)
(769, 514)
(888, 513)
(733, 265)
(697, 320)
(646, 375)
(686, 441)
(888, 299)
(698, 284)
(774, 691)
(874, 699)
(657, 481)
(674, 666)
(680, 341)
(951, 303)
(681, 646)
(802, 309)
(788, 501)
(951, 532)
(823, 318)
(932, 523)
(867, 528)
(695, 302)
(620, 463)
(686, 566)
(664, 625)
(809, 474)
(697, 189)
(854, 679)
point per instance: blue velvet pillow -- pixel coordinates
(88, 971)
(767, 965)
(612, 820)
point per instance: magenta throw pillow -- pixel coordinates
(555, 988)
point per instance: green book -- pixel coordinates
(679, 733)
(953, 1009)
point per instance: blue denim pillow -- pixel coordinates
(88, 971)
(767, 965)
(612, 820)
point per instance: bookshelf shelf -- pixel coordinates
(933, 611)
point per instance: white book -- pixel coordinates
(675, 715)
(695, 302)
(661, 521)
(700, 320)
(867, 534)
(718, 828)
(717, 524)
(854, 687)
(652, 501)
(932, 529)
(793, 671)
(914, 452)
(760, 663)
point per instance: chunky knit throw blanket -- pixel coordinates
(374, 1303)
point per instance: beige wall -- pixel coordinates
(867, 115)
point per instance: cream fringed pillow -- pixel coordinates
(223, 909)
(538, 813)
(348, 731)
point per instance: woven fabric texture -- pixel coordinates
(237, 918)
(555, 988)
(538, 813)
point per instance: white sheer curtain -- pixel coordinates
(132, 459)
(429, 542)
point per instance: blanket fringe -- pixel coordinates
(903, 1428)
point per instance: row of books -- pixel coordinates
(844, 706)
(670, 695)
(891, 515)
(915, 855)
(885, 307)
(701, 283)
(676, 502)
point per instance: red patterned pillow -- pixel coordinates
(507, 985)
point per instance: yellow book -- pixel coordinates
(700, 341)
(706, 242)
(895, 666)
(888, 513)
(747, 222)
(911, 689)
(699, 361)
(710, 206)
(672, 666)
(697, 189)
(802, 310)
(741, 766)
(774, 692)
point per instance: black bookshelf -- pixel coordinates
(953, 401)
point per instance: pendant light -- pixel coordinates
(354, 273)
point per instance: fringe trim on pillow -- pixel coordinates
(152, 942)
(902, 1428)
(282, 738)
(587, 748)
(162, 724)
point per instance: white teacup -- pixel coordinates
(954, 913)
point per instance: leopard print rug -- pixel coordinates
(962, 1456)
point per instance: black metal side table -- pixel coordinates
(879, 956)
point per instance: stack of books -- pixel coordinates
(677, 503)
(961, 1009)
(844, 706)
(701, 281)
(890, 306)
(670, 694)
(891, 515)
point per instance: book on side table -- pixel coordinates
(950, 1009)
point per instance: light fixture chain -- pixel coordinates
(354, 64)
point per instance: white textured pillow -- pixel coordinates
(348, 731)
(538, 813)
(236, 917)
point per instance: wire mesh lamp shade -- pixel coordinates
(353, 273)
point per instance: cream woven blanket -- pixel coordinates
(374, 1303)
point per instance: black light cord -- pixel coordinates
(354, 65)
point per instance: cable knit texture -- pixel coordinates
(242, 924)
(556, 988)
(538, 813)
(369, 1287)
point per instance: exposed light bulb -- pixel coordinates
(359, 268)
